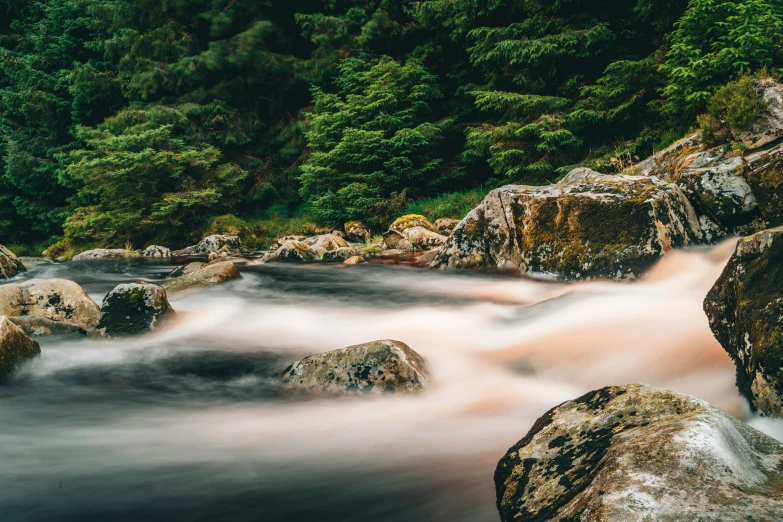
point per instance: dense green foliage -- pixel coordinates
(130, 121)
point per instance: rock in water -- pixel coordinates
(212, 243)
(634, 453)
(744, 309)
(15, 347)
(209, 275)
(133, 308)
(104, 253)
(292, 251)
(187, 269)
(46, 306)
(589, 225)
(355, 260)
(375, 367)
(157, 251)
(356, 231)
(10, 265)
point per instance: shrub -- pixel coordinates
(731, 111)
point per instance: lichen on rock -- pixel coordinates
(46, 306)
(15, 348)
(589, 225)
(377, 367)
(744, 308)
(133, 308)
(637, 454)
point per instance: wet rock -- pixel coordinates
(45, 306)
(422, 238)
(209, 275)
(104, 253)
(634, 453)
(355, 260)
(744, 309)
(292, 252)
(156, 251)
(428, 257)
(133, 308)
(445, 226)
(589, 225)
(10, 265)
(15, 348)
(212, 243)
(356, 231)
(376, 367)
(763, 171)
(187, 269)
(394, 240)
(340, 254)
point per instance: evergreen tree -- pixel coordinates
(372, 142)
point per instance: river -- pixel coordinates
(190, 423)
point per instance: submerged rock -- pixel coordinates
(355, 260)
(634, 453)
(586, 226)
(375, 367)
(15, 348)
(209, 275)
(156, 251)
(745, 307)
(104, 253)
(356, 231)
(46, 306)
(133, 308)
(10, 265)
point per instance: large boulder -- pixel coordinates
(156, 251)
(133, 308)
(586, 226)
(15, 347)
(213, 243)
(376, 367)
(46, 306)
(634, 453)
(356, 231)
(208, 275)
(10, 265)
(735, 192)
(104, 253)
(745, 308)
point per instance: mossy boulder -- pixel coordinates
(356, 231)
(46, 306)
(212, 274)
(132, 309)
(412, 220)
(15, 348)
(10, 265)
(377, 367)
(744, 309)
(589, 225)
(764, 172)
(104, 253)
(634, 453)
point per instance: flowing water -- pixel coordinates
(191, 423)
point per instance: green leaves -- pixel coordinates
(371, 141)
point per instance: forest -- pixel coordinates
(129, 122)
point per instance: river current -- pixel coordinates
(191, 423)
